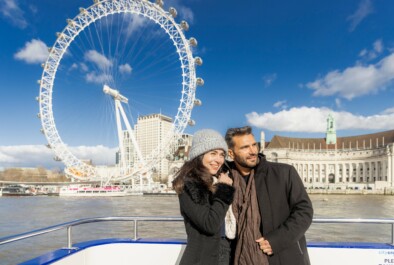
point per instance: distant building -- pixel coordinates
(129, 150)
(355, 162)
(151, 131)
(179, 156)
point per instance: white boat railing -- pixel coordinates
(138, 219)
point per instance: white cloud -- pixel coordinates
(103, 78)
(10, 10)
(40, 155)
(378, 46)
(186, 13)
(35, 51)
(27, 156)
(73, 67)
(338, 102)
(281, 104)
(125, 69)
(135, 23)
(312, 120)
(269, 78)
(102, 63)
(388, 111)
(84, 67)
(100, 155)
(98, 59)
(363, 53)
(356, 81)
(377, 49)
(364, 9)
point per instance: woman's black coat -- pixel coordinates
(203, 214)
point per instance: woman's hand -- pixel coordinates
(225, 179)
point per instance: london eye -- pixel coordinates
(99, 77)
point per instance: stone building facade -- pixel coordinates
(355, 162)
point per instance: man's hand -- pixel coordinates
(265, 246)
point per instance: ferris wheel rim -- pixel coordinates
(74, 27)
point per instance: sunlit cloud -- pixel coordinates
(135, 24)
(95, 78)
(186, 13)
(35, 51)
(26, 156)
(40, 155)
(73, 67)
(364, 9)
(281, 104)
(100, 155)
(388, 111)
(125, 69)
(338, 103)
(98, 59)
(377, 49)
(356, 81)
(294, 120)
(10, 10)
(84, 67)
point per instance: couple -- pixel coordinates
(268, 201)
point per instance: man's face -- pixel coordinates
(245, 150)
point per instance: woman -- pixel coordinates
(205, 194)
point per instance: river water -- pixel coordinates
(22, 214)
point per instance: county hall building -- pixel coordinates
(362, 162)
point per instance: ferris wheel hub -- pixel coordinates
(115, 94)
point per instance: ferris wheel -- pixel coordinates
(76, 167)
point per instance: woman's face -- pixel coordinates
(213, 160)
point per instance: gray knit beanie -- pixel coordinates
(206, 140)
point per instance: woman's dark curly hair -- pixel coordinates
(193, 169)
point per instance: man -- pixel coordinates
(272, 208)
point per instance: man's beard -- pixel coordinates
(243, 162)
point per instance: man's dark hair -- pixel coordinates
(231, 132)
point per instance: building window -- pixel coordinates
(331, 178)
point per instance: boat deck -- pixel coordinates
(169, 251)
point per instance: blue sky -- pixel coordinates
(280, 66)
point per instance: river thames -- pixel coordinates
(22, 214)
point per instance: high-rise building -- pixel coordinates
(151, 131)
(128, 152)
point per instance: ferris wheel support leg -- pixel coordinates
(120, 134)
(131, 132)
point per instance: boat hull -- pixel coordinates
(88, 191)
(169, 252)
